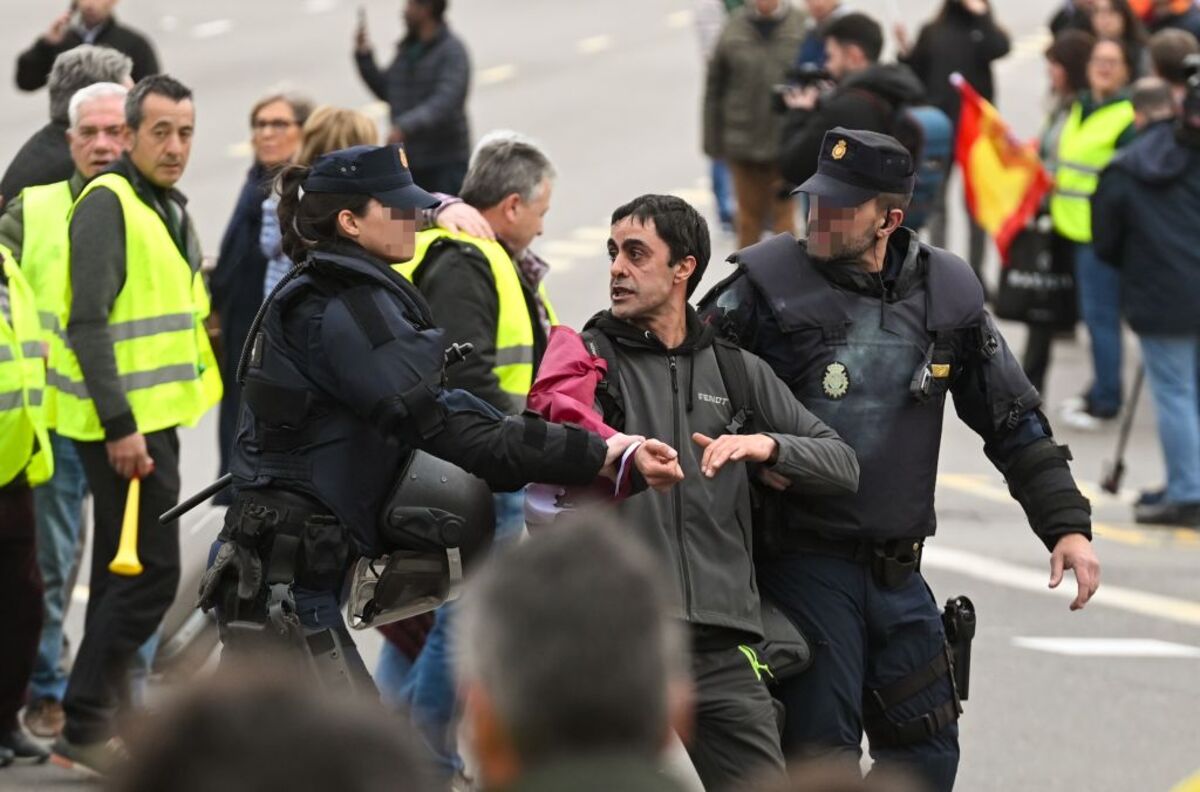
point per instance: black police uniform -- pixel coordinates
(874, 355)
(342, 379)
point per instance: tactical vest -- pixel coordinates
(44, 261)
(877, 371)
(164, 360)
(514, 330)
(1085, 148)
(24, 444)
(292, 435)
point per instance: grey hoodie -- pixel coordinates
(701, 528)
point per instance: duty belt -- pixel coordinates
(274, 522)
(892, 561)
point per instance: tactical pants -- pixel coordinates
(122, 612)
(863, 637)
(737, 729)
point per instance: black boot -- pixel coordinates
(1167, 513)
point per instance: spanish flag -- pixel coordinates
(1004, 178)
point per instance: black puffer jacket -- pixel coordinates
(1144, 217)
(867, 100)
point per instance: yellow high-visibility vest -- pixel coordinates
(164, 360)
(1085, 148)
(24, 443)
(44, 262)
(514, 330)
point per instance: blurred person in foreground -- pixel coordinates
(250, 731)
(35, 227)
(86, 22)
(138, 367)
(426, 88)
(963, 38)
(741, 123)
(1066, 69)
(572, 673)
(46, 157)
(1169, 50)
(1144, 216)
(1099, 123)
(276, 121)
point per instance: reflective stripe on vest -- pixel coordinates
(514, 330)
(47, 208)
(1085, 148)
(22, 384)
(165, 363)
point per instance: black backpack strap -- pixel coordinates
(608, 391)
(732, 366)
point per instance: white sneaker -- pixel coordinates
(1074, 413)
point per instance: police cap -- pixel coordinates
(856, 165)
(378, 171)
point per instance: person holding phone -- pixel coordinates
(84, 22)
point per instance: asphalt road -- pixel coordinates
(1098, 700)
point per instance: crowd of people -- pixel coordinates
(376, 295)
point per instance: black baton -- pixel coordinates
(183, 507)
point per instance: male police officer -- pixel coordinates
(871, 329)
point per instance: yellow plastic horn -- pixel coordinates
(126, 562)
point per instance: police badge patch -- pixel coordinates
(836, 381)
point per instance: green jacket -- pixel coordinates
(739, 120)
(604, 773)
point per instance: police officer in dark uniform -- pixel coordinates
(342, 380)
(871, 328)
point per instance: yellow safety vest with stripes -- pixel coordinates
(44, 262)
(24, 444)
(164, 361)
(1085, 148)
(514, 330)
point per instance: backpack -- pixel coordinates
(730, 363)
(928, 134)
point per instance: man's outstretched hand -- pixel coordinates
(1075, 552)
(733, 448)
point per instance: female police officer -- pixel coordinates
(342, 378)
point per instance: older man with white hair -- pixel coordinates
(34, 227)
(45, 158)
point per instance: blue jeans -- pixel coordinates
(58, 505)
(427, 686)
(864, 636)
(1173, 369)
(1100, 305)
(722, 187)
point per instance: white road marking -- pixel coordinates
(212, 29)
(80, 593)
(1107, 647)
(679, 19)
(169, 23)
(496, 74)
(593, 44)
(1003, 573)
(215, 514)
(319, 6)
